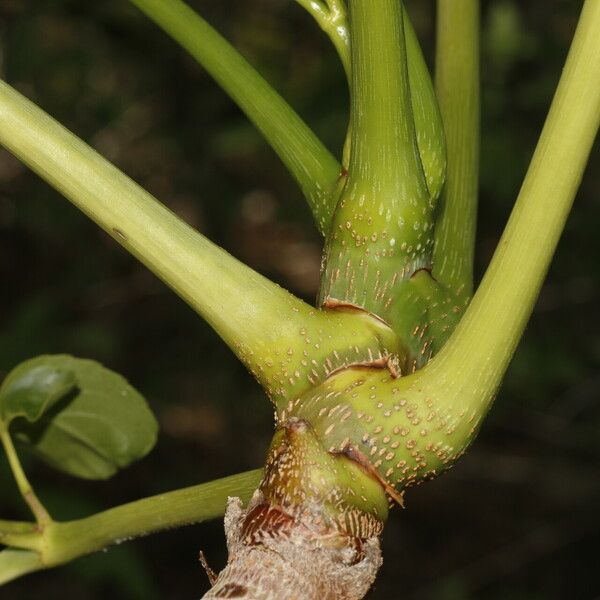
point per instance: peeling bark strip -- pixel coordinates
(272, 556)
(311, 530)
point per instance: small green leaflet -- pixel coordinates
(79, 417)
(32, 388)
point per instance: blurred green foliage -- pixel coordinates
(519, 517)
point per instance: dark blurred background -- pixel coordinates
(518, 518)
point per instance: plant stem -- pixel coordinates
(382, 230)
(268, 328)
(332, 20)
(16, 563)
(473, 362)
(16, 527)
(149, 515)
(37, 508)
(457, 87)
(384, 148)
(425, 421)
(63, 542)
(427, 118)
(429, 127)
(312, 165)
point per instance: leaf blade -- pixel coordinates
(32, 387)
(104, 425)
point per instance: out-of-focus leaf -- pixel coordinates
(102, 425)
(33, 387)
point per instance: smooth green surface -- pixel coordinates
(457, 88)
(385, 154)
(312, 165)
(16, 563)
(33, 387)
(333, 19)
(429, 128)
(16, 527)
(102, 426)
(472, 364)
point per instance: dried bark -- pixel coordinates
(304, 534)
(274, 556)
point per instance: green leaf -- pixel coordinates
(32, 388)
(100, 426)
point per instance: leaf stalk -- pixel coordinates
(457, 89)
(61, 542)
(37, 508)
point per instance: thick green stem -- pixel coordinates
(472, 364)
(413, 427)
(428, 122)
(385, 156)
(382, 232)
(59, 543)
(457, 87)
(311, 164)
(286, 343)
(16, 563)
(37, 508)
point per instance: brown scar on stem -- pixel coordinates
(296, 424)
(333, 304)
(389, 362)
(119, 234)
(427, 270)
(212, 576)
(355, 455)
